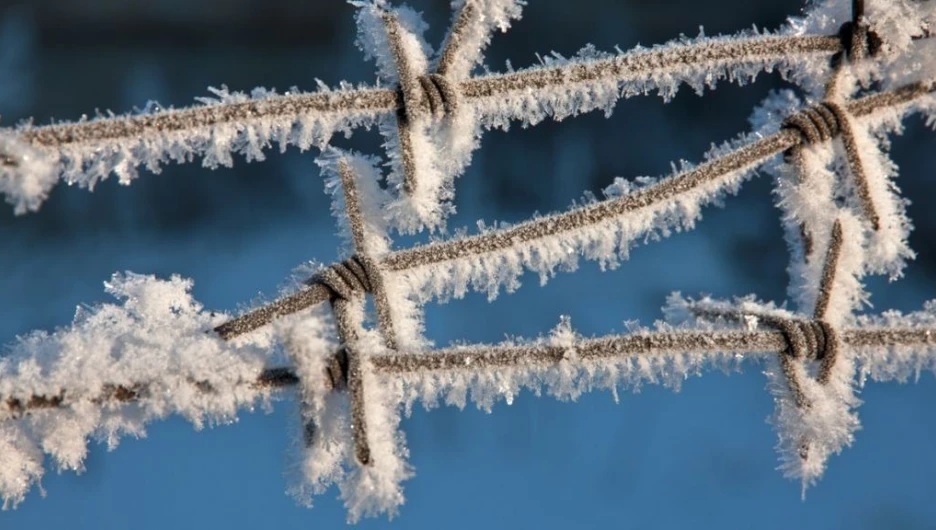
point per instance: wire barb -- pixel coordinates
(827, 280)
(828, 120)
(856, 165)
(455, 38)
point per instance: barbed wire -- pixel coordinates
(366, 101)
(666, 190)
(747, 344)
(368, 362)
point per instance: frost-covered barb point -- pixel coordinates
(393, 37)
(811, 377)
(430, 138)
(473, 23)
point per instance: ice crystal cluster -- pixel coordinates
(860, 68)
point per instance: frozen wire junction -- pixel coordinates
(861, 67)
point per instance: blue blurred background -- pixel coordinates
(702, 457)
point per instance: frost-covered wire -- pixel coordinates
(600, 230)
(87, 151)
(861, 67)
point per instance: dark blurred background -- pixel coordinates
(239, 231)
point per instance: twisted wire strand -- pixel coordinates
(441, 94)
(366, 101)
(478, 357)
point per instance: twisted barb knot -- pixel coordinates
(807, 339)
(420, 93)
(346, 279)
(818, 123)
(810, 339)
(859, 41)
(439, 97)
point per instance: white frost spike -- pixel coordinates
(20, 465)
(562, 381)
(26, 173)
